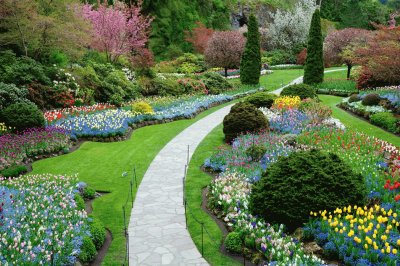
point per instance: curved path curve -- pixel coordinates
(157, 229)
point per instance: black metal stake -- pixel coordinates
(134, 172)
(123, 210)
(131, 192)
(185, 203)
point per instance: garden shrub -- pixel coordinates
(167, 86)
(89, 193)
(80, 203)
(256, 152)
(88, 250)
(354, 98)
(243, 117)
(371, 99)
(10, 94)
(302, 182)
(13, 171)
(189, 85)
(261, 99)
(304, 91)
(142, 108)
(21, 116)
(233, 243)
(278, 57)
(97, 232)
(146, 86)
(215, 83)
(386, 120)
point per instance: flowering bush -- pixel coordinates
(14, 149)
(40, 222)
(286, 102)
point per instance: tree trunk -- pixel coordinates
(226, 72)
(349, 66)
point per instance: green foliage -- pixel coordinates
(314, 66)
(243, 117)
(142, 108)
(58, 58)
(261, 99)
(167, 86)
(387, 121)
(304, 91)
(256, 152)
(89, 193)
(278, 57)
(250, 65)
(313, 180)
(215, 83)
(21, 116)
(88, 250)
(97, 232)
(354, 98)
(371, 99)
(22, 70)
(13, 171)
(233, 243)
(10, 94)
(80, 203)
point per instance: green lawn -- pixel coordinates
(196, 180)
(357, 124)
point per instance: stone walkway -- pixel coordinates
(157, 229)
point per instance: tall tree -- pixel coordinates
(250, 65)
(118, 29)
(225, 49)
(199, 37)
(314, 67)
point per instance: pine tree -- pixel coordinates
(250, 64)
(314, 67)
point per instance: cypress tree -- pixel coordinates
(250, 64)
(314, 66)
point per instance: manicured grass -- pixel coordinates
(101, 166)
(196, 180)
(357, 124)
(336, 74)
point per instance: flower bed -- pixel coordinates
(286, 66)
(355, 235)
(40, 222)
(15, 149)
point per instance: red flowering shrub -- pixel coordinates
(190, 85)
(301, 57)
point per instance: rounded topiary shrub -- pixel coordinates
(88, 250)
(304, 91)
(233, 243)
(261, 99)
(371, 99)
(97, 233)
(22, 116)
(243, 117)
(215, 83)
(354, 98)
(303, 182)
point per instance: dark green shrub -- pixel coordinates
(278, 57)
(233, 243)
(13, 171)
(242, 118)
(80, 203)
(256, 152)
(261, 99)
(250, 63)
(303, 182)
(89, 193)
(88, 250)
(386, 120)
(371, 99)
(10, 94)
(304, 91)
(354, 98)
(215, 83)
(22, 116)
(97, 232)
(314, 66)
(167, 86)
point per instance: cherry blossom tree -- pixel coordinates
(340, 45)
(199, 37)
(118, 29)
(225, 49)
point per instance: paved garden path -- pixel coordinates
(157, 229)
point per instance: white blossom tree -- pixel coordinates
(289, 27)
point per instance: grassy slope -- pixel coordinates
(101, 166)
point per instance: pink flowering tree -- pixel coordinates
(118, 29)
(225, 49)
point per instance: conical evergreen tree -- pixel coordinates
(250, 64)
(314, 66)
